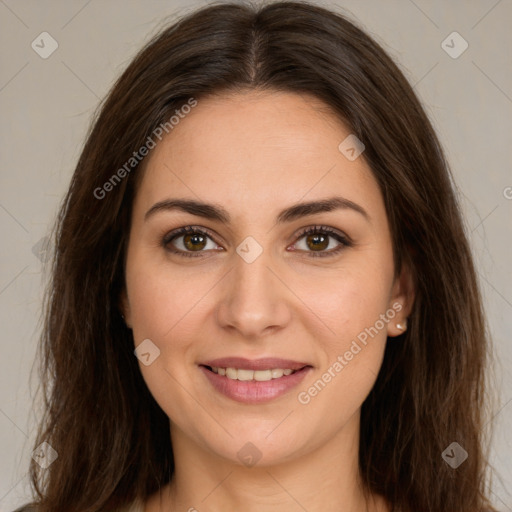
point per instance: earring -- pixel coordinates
(403, 326)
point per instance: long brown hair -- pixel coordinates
(112, 438)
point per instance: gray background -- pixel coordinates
(47, 104)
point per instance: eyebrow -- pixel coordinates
(218, 213)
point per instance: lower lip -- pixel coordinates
(252, 391)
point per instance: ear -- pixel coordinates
(401, 301)
(124, 308)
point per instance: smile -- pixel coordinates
(258, 375)
(262, 383)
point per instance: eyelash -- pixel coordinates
(323, 230)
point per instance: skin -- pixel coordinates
(254, 154)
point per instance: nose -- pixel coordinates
(254, 300)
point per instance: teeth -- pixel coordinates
(242, 374)
(258, 375)
(231, 373)
(261, 375)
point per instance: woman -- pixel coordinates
(263, 297)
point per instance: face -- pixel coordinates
(258, 278)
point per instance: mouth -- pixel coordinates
(254, 381)
(256, 375)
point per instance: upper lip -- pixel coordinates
(255, 364)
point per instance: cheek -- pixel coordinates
(355, 313)
(349, 301)
(161, 300)
(160, 308)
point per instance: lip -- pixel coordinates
(254, 392)
(255, 364)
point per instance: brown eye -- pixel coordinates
(194, 242)
(318, 239)
(317, 242)
(189, 241)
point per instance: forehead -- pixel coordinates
(257, 150)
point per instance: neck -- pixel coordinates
(324, 478)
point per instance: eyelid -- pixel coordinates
(188, 230)
(343, 240)
(323, 229)
(182, 231)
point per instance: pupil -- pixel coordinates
(316, 243)
(191, 241)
